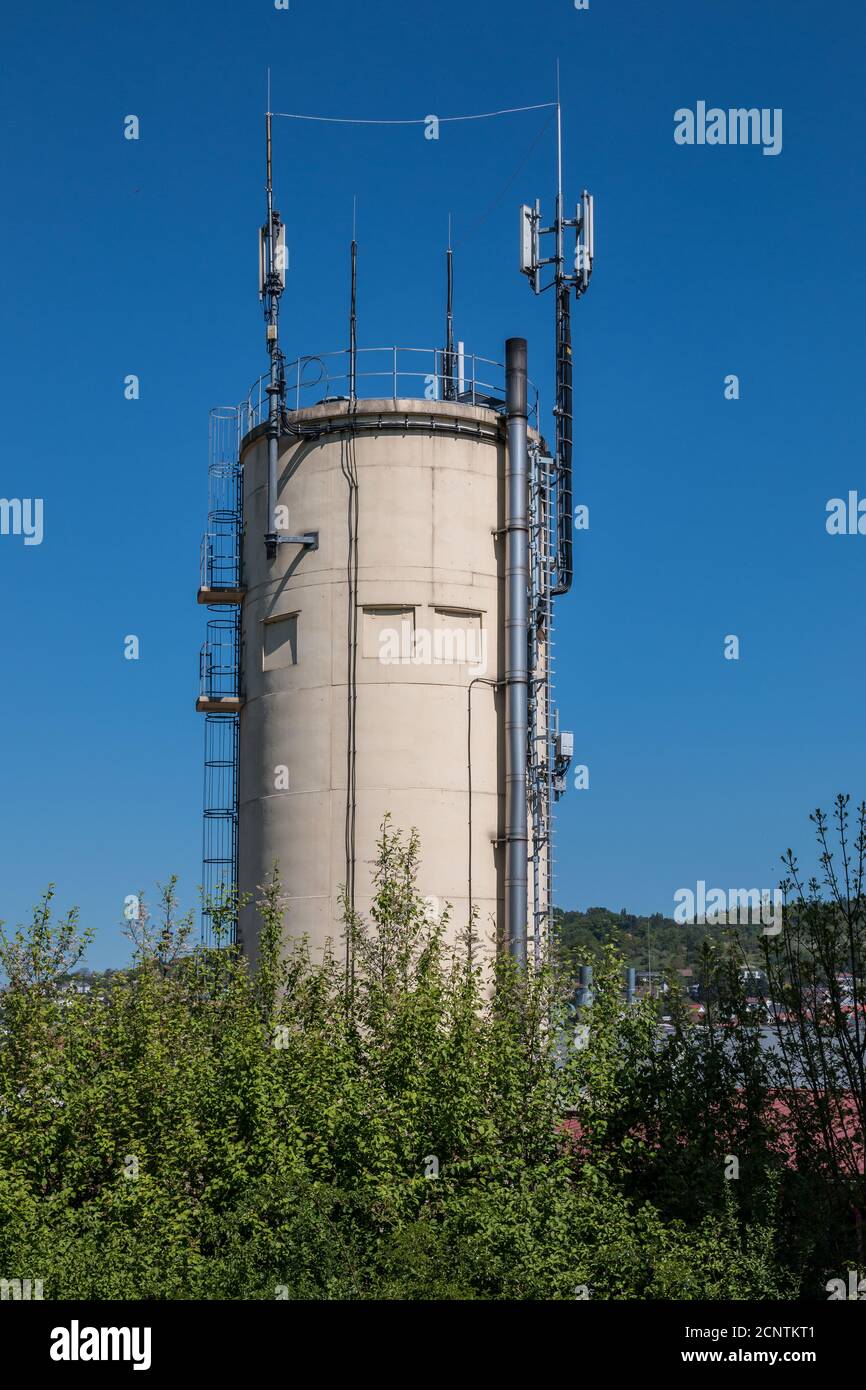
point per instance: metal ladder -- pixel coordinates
(541, 718)
(220, 661)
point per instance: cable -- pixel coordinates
(473, 226)
(348, 466)
(476, 680)
(416, 120)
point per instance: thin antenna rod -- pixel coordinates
(353, 315)
(559, 257)
(269, 185)
(448, 365)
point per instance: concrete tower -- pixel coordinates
(372, 657)
(384, 564)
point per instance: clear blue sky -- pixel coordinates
(707, 516)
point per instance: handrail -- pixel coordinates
(310, 380)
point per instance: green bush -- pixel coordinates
(195, 1130)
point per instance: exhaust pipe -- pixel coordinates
(516, 649)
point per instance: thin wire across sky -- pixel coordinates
(415, 120)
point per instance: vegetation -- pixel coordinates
(192, 1129)
(671, 947)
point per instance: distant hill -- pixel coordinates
(580, 937)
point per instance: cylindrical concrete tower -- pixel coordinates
(384, 569)
(370, 652)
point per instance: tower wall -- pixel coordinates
(430, 574)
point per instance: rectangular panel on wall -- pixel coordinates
(280, 642)
(459, 637)
(389, 634)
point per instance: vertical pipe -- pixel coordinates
(563, 410)
(353, 323)
(584, 993)
(534, 787)
(516, 641)
(273, 349)
(273, 447)
(448, 392)
(630, 976)
(559, 229)
(564, 425)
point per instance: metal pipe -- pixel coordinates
(273, 388)
(273, 451)
(560, 266)
(563, 410)
(516, 649)
(353, 322)
(564, 425)
(584, 990)
(448, 392)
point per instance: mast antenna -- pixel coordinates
(272, 282)
(531, 262)
(449, 391)
(353, 306)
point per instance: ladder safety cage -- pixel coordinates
(221, 543)
(219, 664)
(219, 660)
(220, 831)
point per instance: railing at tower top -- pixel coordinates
(390, 373)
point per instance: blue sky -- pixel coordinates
(707, 515)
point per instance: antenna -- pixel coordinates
(448, 362)
(531, 261)
(559, 260)
(272, 280)
(353, 303)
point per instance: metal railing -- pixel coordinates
(221, 544)
(220, 835)
(220, 556)
(391, 373)
(219, 660)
